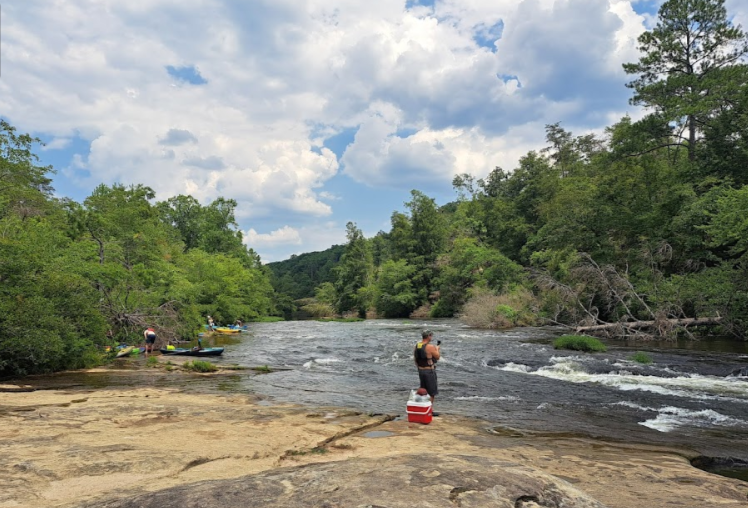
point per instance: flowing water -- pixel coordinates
(693, 395)
(515, 379)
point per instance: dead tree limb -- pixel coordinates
(642, 325)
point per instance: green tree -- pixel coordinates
(468, 264)
(49, 318)
(212, 228)
(684, 73)
(395, 295)
(354, 273)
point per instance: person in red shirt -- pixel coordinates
(150, 339)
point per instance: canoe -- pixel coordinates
(206, 351)
(223, 329)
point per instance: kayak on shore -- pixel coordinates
(208, 351)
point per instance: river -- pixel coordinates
(514, 379)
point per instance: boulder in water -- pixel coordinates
(740, 372)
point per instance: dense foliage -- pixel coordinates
(78, 276)
(641, 231)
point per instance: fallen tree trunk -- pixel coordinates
(640, 325)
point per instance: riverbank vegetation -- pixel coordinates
(75, 277)
(640, 231)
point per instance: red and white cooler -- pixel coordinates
(419, 412)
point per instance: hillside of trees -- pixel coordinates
(639, 232)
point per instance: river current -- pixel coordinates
(513, 379)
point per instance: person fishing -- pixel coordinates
(426, 355)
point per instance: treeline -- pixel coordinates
(641, 231)
(296, 278)
(77, 276)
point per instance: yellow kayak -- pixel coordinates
(125, 351)
(222, 329)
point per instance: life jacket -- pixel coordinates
(422, 359)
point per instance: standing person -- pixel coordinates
(150, 339)
(426, 355)
(211, 324)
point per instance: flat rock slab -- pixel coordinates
(405, 481)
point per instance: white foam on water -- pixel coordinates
(670, 418)
(508, 398)
(633, 405)
(326, 361)
(321, 361)
(694, 386)
(514, 367)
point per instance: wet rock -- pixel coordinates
(740, 372)
(392, 482)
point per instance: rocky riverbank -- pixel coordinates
(149, 446)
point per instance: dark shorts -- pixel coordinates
(150, 339)
(428, 381)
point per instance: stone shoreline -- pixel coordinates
(144, 446)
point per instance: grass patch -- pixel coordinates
(152, 361)
(579, 343)
(641, 357)
(234, 367)
(262, 368)
(199, 366)
(342, 319)
(342, 446)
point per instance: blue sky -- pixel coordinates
(309, 113)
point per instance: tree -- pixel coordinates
(354, 272)
(469, 264)
(684, 73)
(395, 296)
(212, 228)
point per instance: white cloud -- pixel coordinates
(285, 241)
(56, 144)
(427, 89)
(283, 236)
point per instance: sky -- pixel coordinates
(309, 113)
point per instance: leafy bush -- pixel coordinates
(641, 357)
(579, 343)
(152, 361)
(200, 366)
(507, 312)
